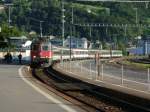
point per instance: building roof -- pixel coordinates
(18, 38)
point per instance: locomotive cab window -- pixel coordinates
(45, 48)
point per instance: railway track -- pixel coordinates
(96, 99)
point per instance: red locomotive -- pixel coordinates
(41, 53)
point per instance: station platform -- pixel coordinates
(20, 92)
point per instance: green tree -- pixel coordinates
(26, 15)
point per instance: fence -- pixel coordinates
(119, 75)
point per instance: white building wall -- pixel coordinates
(76, 42)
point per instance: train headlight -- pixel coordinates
(40, 54)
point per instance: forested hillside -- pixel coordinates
(26, 14)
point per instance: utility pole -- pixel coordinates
(72, 21)
(71, 28)
(9, 20)
(9, 13)
(136, 15)
(90, 33)
(63, 22)
(40, 24)
(41, 30)
(106, 31)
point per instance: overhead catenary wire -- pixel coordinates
(113, 25)
(123, 1)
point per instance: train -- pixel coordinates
(43, 53)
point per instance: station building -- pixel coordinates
(74, 42)
(17, 41)
(142, 47)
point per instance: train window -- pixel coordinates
(57, 52)
(66, 52)
(80, 45)
(77, 52)
(45, 48)
(72, 52)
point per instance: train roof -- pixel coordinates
(41, 41)
(77, 49)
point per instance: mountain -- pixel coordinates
(27, 14)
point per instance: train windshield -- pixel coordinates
(45, 48)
